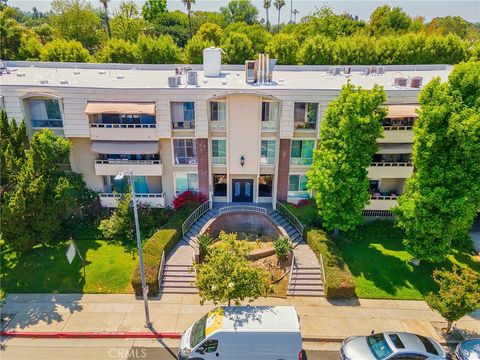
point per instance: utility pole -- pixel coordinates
(291, 10)
(295, 12)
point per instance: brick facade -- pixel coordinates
(202, 155)
(283, 169)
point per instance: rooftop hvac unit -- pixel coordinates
(212, 61)
(43, 81)
(400, 81)
(64, 82)
(416, 82)
(250, 71)
(173, 81)
(192, 78)
(335, 71)
(381, 70)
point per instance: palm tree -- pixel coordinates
(188, 4)
(266, 5)
(278, 5)
(105, 6)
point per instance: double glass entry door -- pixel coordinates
(242, 190)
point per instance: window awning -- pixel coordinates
(402, 111)
(134, 108)
(125, 147)
(399, 148)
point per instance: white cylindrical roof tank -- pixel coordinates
(212, 61)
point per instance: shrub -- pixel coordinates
(163, 240)
(204, 241)
(283, 246)
(188, 198)
(340, 283)
(307, 212)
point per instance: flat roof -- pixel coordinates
(129, 76)
(260, 318)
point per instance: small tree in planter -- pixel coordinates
(458, 293)
(188, 198)
(226, 274)
(283, 246)
(204, 241)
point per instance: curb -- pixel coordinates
(91, 335)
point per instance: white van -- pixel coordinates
(244, 332)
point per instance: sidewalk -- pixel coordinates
(319, 319)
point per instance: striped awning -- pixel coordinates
(402, 111)
(125, 147)
(400, 148)
(134, 108)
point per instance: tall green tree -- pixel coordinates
(118, 51)
(238, 48)
(175, 24)
(153, 8)
(384, 19)
(64, 51)
(258, 35)
(211, 32)
(279, 4)
(13, 140)
(240, 10)
(267, 4)
(107, 19)
(76, 20)
(11, 34)
(41, 194)
(188, 5)
(283, 47)
(339, 176)
(442, 197)
(226, 275)
(127, 23)
(161, 50)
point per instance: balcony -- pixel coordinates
(218, 125)
(156, 200)
(124, 132)
(397, 170)
(139, 167)
(382, 202)
(183, 125)
(397, 134)
(302, 125)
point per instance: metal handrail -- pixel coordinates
(138, 195)
(322, 269)
(160, 270)
(398, 127)
(242, 208)
(128, 162)
(384, 197)
(393, 164)
(122, 126)
(291, 270)
(292, 219)
(195, 215)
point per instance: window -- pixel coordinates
(219, 185)
(267, 154)
(125, 119)
(219, 152)
(379, 346)
(197, 333)
(265, 184)
(297, 186)
(305, 115)
(409, 357)
(183, 114)
(428, 345)
(208, 346)
(121, 186)
(396, 341)
(186, 182)
(269, 115)
(45, 113)
(302, 152)
(185, 151)
(218, 111)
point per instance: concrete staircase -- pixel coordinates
(306, 281)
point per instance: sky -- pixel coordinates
(468, 9)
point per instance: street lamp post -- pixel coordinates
(120, 176)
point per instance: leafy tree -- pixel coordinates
(283, 247)
(13, 139)
(226, 274)
(325, 22)
(211, 33)
(278, 5)
(153, 8)
(385, 19)
(442, 197)
(161, 50)
(194, 49)
(127, 23)
(238, 48)
(11, 34)
(64, 51)
(458, 294)
(448, 49)
(201, 17)
(284, 47)
(118, 51)
(76, 20)
(257, 34)
(318, 50)
(355, 50)
(40, 197)
(107, 20)
(451, 25)
(30, 49)
(339, 176)
(267, 4)
(188, 4)
(44, 32)
(240, 10)
(175, 24)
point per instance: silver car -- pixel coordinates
(391, 346)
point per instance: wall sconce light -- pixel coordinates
(242, 160)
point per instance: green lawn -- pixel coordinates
(380, 264)
(46, 269)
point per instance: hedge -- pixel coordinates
(163, 240)
(340, 283)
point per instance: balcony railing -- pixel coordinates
(398, 127)
(301, 161)
(183, 125)
(47, 123)
(267, 161)
(152, 199)
(218, 125)
(184, 160)
(384, 197)
(269, 125)
(128, 162)
(219, 160)
(398, 164)
(123, 126)
(305, 126)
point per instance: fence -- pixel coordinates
(242, 208)
(292, 219)
(195, 215)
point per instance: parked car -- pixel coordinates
(244, 332)
(468, 350)
(391, 346)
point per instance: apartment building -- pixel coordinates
(232, 135)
